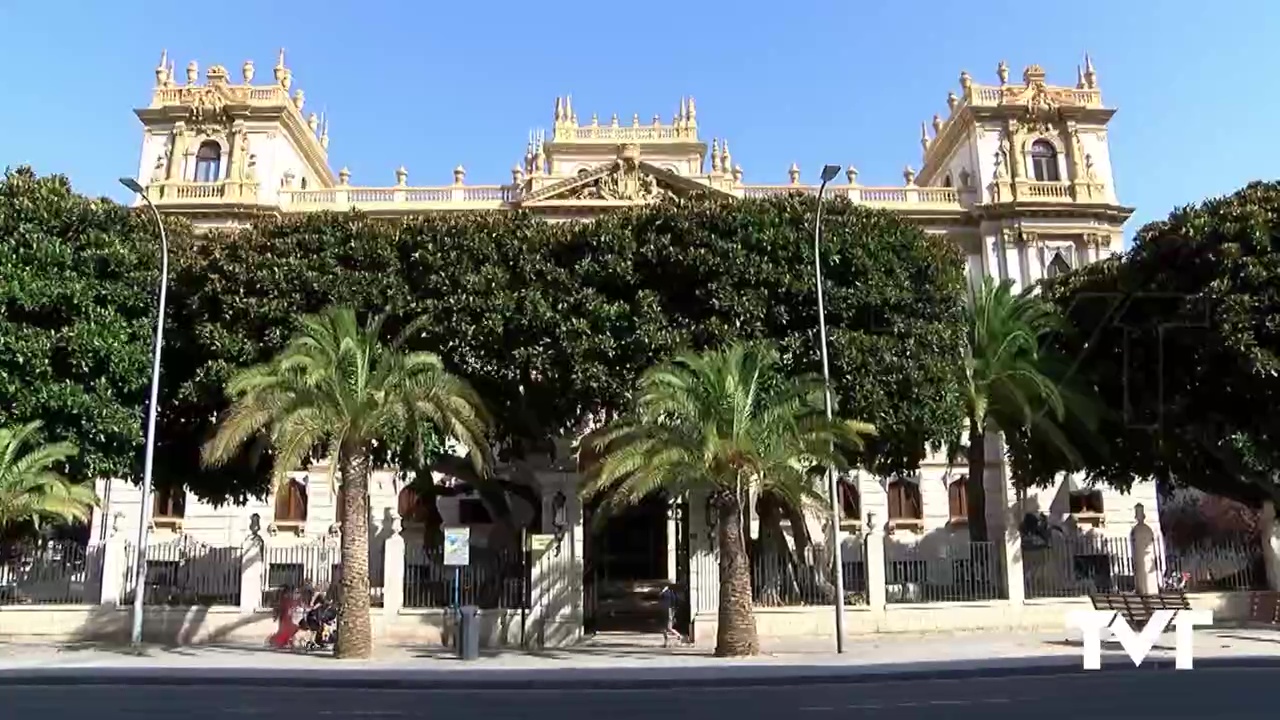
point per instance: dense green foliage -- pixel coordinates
(1180, 337)
(77, 312)
(31, 488)
(549, 322)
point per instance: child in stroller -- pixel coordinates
(322, 622)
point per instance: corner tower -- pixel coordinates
(218, 150)
(1036, 158)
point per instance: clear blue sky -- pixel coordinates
(433, 84)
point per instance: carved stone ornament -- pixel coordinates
(207, 108)
(626, 181)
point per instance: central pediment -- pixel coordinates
(626, 180)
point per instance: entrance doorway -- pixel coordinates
(626, 567)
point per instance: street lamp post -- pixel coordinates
(837, 574)
(140, 565)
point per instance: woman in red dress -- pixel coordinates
(286, 622)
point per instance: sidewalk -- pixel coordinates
(598, 662)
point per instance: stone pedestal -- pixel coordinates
(1269, 531)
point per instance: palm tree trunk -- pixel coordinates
(736, 630)
(975, 487)
(355, 631)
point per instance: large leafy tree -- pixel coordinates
(78, 278)
(339, 390)
(721, 423)
(1180, 335)
(31, 487)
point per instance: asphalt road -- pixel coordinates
(1235, 693)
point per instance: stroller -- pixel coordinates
(322, 622)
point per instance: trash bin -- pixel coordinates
(468, 632)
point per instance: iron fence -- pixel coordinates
(186, 572)
(1220, 566)
(781, 579)
(493, 579)
(62, 572)
(1076, 565)
(317, 564)
(960, 571)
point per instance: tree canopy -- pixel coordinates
(552, 323)
(78, 284)
(1179, 337)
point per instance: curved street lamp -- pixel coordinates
(140, 566)
(829, 173)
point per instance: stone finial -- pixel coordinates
(965, 80)
(162, 70)
(299, 99)
(459, 174)
(595, 120)
(280, 70)
(693, 112)
(657, 120)
(635, 120)
(1090, 76)
(737, 174)
(909, 174)
(569, 114)
(193, 72)
(344, 176)
(215, 75)
(324, 132)
(397, 523)
(287, 80)
(794, 174)
(1080, 85)
(402, 176)
(852, 175)
(1002, 72)
(937, 124)
(1033, 75)
(246, 72)
(682, 115)
(715, 155)
(517, 175)
(313, 122)
(613, 121)
(952, 101)
(924, 137)
(1139, 514)
(726, 160)
(559, 116)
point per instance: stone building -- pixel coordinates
(1017, 173)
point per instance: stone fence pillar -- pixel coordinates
(873, 558)
(114, 564)
(253, 573)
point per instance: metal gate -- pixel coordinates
(684, 613)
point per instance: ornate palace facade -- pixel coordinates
(1018, 173)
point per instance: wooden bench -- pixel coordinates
(1137, 609)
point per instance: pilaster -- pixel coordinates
(114, 563)
(873, 557)
(253, 573)
(393, 568)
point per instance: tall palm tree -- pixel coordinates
(337, 389)
(30, 488)
(1008, 379)
(719, 423)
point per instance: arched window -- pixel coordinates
(958, 499)
(905, 504)
(170, 503)
(850, 503)
(209, 162)
(291, 503)
(411, 507)
(1044, 162)
(1058, 265)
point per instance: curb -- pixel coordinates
(568, 679)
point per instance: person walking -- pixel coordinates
(287, 618)
(670, 602)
